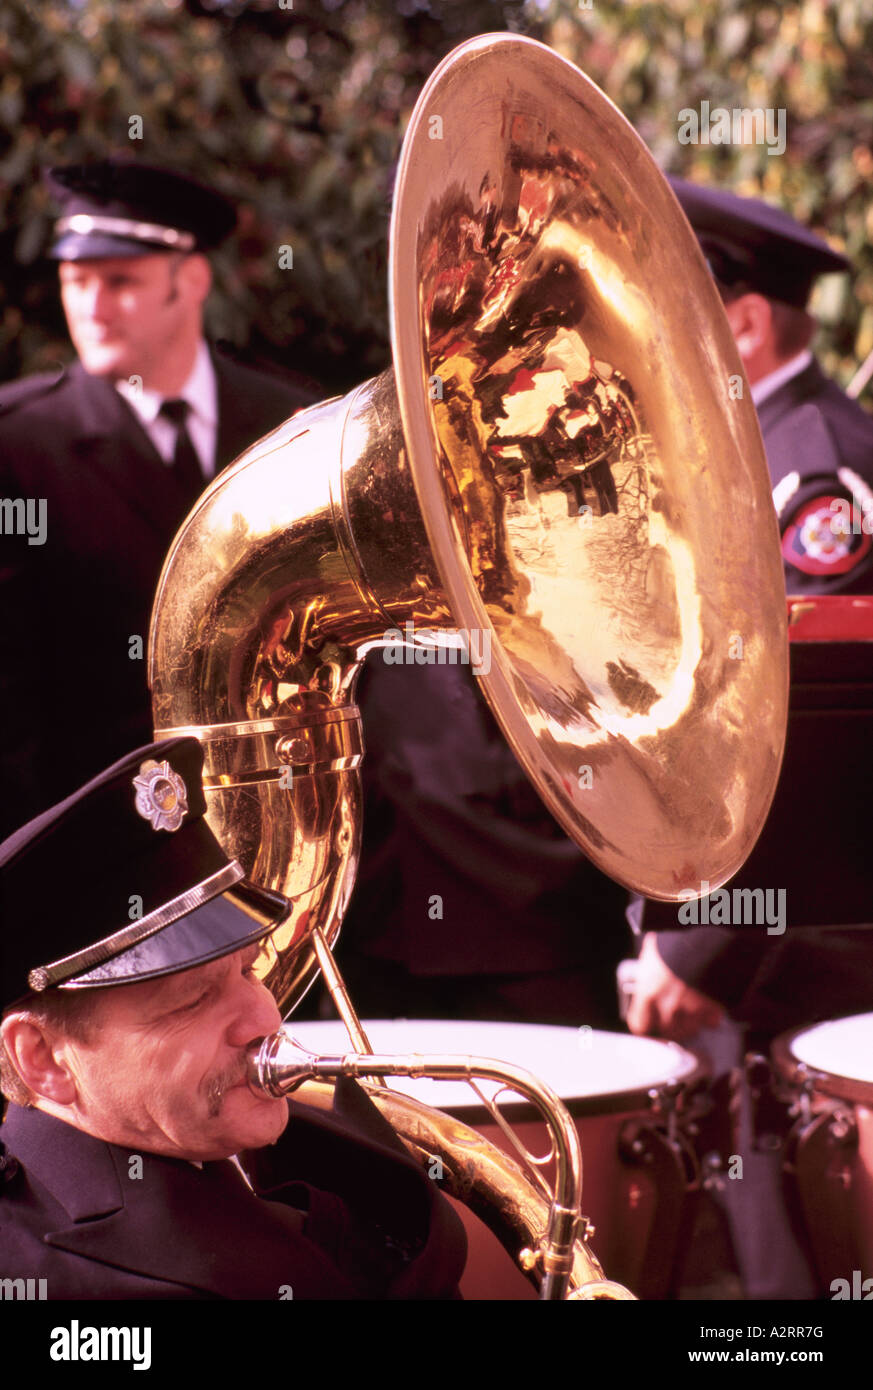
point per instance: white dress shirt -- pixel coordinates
(201, 393)
(769, 384)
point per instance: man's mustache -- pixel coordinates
(224, 1081)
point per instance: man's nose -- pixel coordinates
(256, 1014)
(95, 301)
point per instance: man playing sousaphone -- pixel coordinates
(124, 1063)
(614, 677)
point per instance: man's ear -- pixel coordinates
(195, 277)
(38, 1059)
(751, 320)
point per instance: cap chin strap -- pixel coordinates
(84, 223)
(44, 976)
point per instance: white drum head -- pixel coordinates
(580, 1064)
(842, 1047)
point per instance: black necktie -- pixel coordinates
(186, 465)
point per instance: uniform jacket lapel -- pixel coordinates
(803, 387)
(240, 413)
(155, 1225)
(111, 441)
(353, 1151)
(797, 437)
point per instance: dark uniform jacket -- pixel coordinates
(817, 844)
(345, 1214)
(820, 451)
(464, 872)
(72, 699)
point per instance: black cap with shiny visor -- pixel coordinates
(139, 878)
(750, 245)
(118, 208)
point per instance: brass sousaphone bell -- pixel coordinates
(563, 475)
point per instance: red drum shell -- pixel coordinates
(829, 1067)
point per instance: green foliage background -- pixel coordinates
(297, 108)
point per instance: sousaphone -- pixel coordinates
(564, 474)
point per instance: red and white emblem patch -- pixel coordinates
(820, 539)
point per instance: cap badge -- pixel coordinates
(161, 795)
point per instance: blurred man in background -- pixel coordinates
(819, 443)
(819, 447)
(100, 465)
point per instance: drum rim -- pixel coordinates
(795, 1071)
(630, 1101)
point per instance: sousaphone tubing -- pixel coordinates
(563, 473)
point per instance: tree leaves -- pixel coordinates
(298, 113)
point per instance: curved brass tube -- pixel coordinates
(543, 1237)
(295, 562)
(561, 469)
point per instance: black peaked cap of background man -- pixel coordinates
(114, 450)
(124, 1040)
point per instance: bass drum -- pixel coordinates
(633, 1100)
(826, 1072)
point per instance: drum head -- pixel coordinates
(592, 1071)
(838, 1055)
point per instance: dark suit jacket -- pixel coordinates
(449, 813)
(71, 698)
(817, 843)
(348, 1215)
(812, 429)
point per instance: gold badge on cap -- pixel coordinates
(161, 795)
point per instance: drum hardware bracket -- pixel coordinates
(803, 1105)
(712, 1172)
(641, 1143)
(673, 1171)
(663, 1102)
(699, 1127)
(771, 1111)
(799, 1106)
(843, 1126)
(817, 1169)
